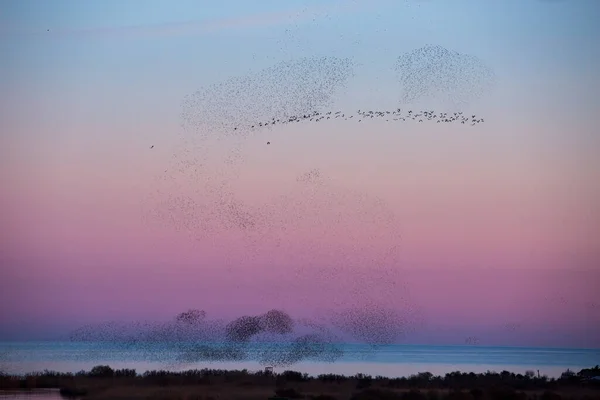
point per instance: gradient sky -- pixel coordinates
(500, 223)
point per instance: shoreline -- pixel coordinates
(104, 382)
(387, 369)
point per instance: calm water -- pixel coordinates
(390, 360)
(36, 394)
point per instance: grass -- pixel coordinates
(104, 383)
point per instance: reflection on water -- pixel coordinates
(37, 394)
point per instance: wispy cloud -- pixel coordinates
(195, 27)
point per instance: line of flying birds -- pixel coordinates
(420, 116)
(361, 115)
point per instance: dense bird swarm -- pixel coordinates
(472, 340)
(285, 90)
(196, 197)
(202, 340)
(434, 72)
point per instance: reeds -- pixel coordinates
(104, 383)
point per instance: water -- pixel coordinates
(389, 360)
(34, 394)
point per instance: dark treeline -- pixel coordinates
(95, 384)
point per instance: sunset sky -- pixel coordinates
(494, 224)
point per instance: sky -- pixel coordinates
(497, 225)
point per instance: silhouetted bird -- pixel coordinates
(363, 116)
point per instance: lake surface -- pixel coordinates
(388, 360)
(35, 394)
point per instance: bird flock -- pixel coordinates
(190, 338)
(271, 339)
(276, 93)
(362, 115)
(434, 72)
(362, 294)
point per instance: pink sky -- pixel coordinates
(493, 225)
(478, 247)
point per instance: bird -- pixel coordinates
(268, 142)
(152, 146)
(363, 116)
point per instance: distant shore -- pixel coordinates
(104, 382)
(389, 360)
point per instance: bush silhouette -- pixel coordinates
(547, 395)
(323, 397)
(376, 394)
(477, 394)
(290, 393)
(434, 395)
(506, 393)
(364, 381)
(414, 395)
(101, 371)
(292, 384)
(293, 376)
(459, 395)
(72, 392)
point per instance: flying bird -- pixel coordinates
(363, 116)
